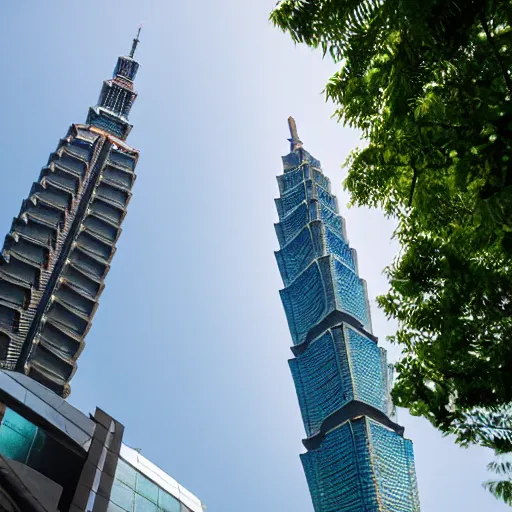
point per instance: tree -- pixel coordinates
(429, 86)
(501, 489)
(491, 428)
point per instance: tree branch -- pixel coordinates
(413, 186)
(496, 53)
(443, 125)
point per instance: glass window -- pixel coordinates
(19, 424)
(134, 492)
(35, 455)
(114, 508)
(167, 503)
(126, 473)
(144, 505)
(16, 436)
(91, 500)
(122, 496)
(147, 488)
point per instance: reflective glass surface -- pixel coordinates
(133, 492)
(341, 377)
(19, 438)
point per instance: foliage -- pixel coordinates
(501, 489)
(491, 428)
(428, 84)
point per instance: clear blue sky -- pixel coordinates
(190, 344)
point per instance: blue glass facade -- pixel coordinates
(140, 486)
(19, 438)
(133, 491)
(357, 458)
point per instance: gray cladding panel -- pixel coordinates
(63, 343)
(94, 267)
(62, 180)
(18, 270)
(77, 301)
(114, 195)
(49, 363)
(8, 316)
(100, 228)
(37, 231)
(43, 212)
(13, 294)
(95, 246)
(57, 197)
(30, 252)
(63, 315)
(71, 422)
(106, 211)
(123, 159)
(61, 245)
(70, 163)
(81, 281)
(120, 177)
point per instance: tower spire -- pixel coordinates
(117, 97)
(356, 451)
(136, 41)
(294, 139)
(60, 247)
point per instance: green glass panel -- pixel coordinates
(144, 505)
(147, 488)
(112, 507)
(126, 473)
(13, 445)
(122, 496)
(167, 503)
(19, 424)
(16, 436)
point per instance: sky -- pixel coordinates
(190, 344)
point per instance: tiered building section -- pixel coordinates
(357, 458)
(58, 251)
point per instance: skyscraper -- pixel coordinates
(357, 458)
(54, 458)
(60, 246)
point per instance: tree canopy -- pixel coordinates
(429, 86)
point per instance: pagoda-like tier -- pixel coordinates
(59, 248)
(58, 252)
(357, 457)
(315, 255)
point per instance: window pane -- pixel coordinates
(126, 473)
(144, 505)
(16, 435)
(36, 453)
(185, 509)
(122, 496)
(114, 508)
(90, 501)
(19, 424)
(147, 488)
(167, 503)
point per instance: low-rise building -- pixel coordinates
(54, 458)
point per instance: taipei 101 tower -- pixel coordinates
(60, 246)
(357, 459)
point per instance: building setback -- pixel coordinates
(59, 249)
(53, 458)
(357, 458)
